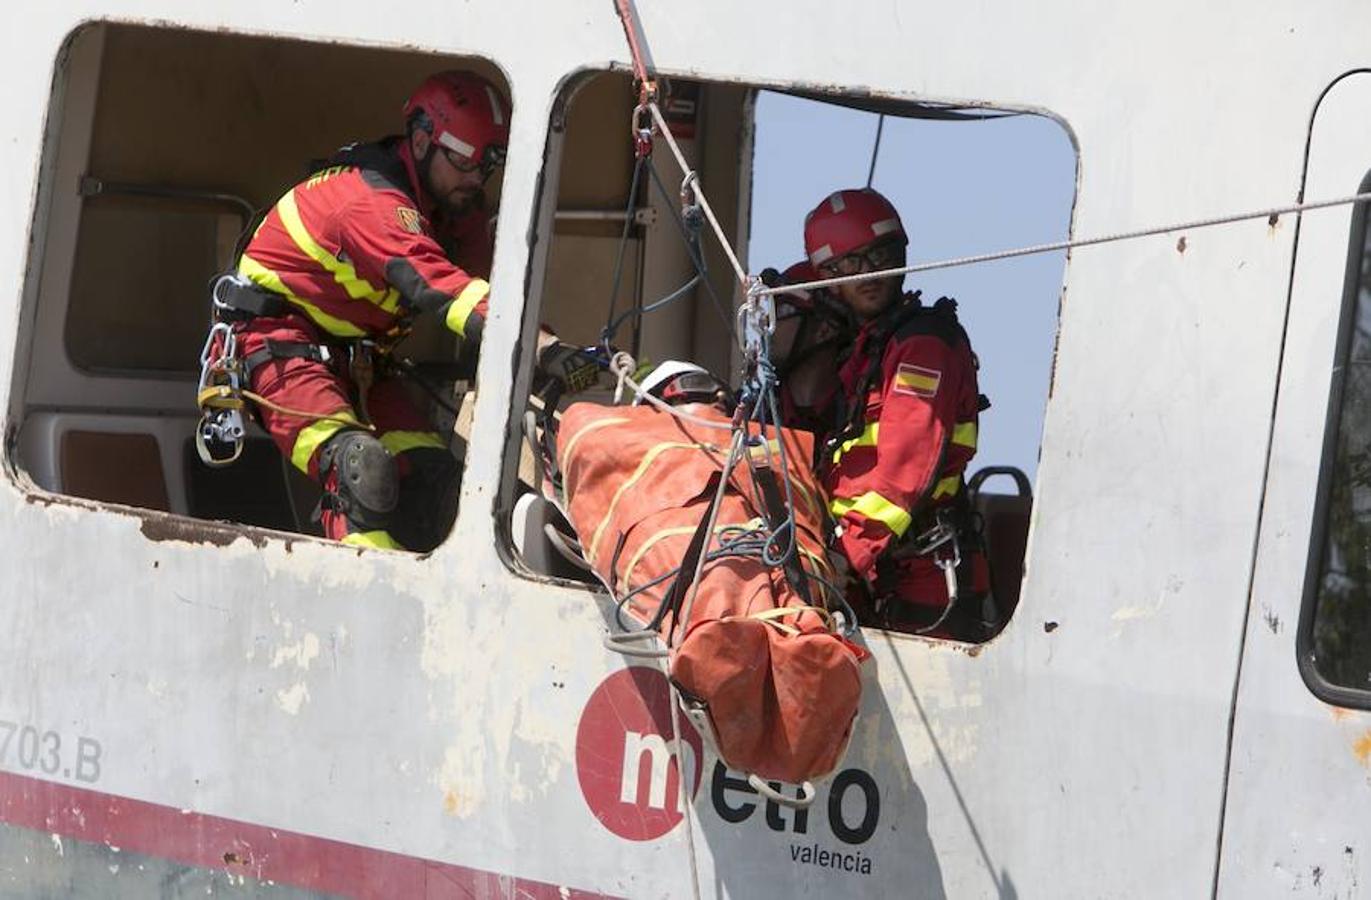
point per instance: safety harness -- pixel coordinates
(226, 374)
(939, 533)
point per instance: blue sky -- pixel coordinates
(961, 188)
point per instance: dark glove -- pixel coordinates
(573, 367)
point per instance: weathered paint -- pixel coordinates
(1082, 760)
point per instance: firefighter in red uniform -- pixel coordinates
(907, 429)
(335, 271)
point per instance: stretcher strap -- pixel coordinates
(777, 517)
(772, 617)
(689, 562)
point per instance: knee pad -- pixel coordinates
(427, 504)
(365, 482)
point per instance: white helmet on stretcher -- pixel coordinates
(676, 381)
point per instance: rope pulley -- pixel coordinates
(219, 396)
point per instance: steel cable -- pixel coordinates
(1271, 214)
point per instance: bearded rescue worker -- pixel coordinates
(908, 418)
(348, 257)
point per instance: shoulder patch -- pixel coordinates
(917, 381)
(410, 219)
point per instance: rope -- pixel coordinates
(697, 257)
(875, 149)
(622, 364)
(612, 324)
(304, 414)
(635, 49)
(411, 371)
(1272, 214)
(682, 776)
(692, 183)
(221, 397)
(714, 506)
(688, 224)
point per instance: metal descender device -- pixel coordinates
(219, 395)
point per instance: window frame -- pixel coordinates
(160, 200)
(1314, 679)
(45, 383)
(542, 235)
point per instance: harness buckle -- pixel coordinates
(941, 532)
(216, 293)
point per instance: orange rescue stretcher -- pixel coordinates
(763, 669)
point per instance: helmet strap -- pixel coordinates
(423, 166)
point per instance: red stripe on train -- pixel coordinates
(265, 854)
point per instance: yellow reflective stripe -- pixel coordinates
(964, 433)
(866, 439)
(260, 274)
(648, 459)
(398, 442)
(376, 540)
(314, 434)
(358, 288)
(946, 487)
(575, 438)
(874, 506)
(462, 305)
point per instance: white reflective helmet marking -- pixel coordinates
(885, 226)
(836, 202)
(822, 254)
(454, 143)
(495, 112)
(669, 369)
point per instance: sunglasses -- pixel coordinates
(491, 159)
(885, 255)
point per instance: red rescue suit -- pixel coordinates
(354, 252)
(910, 386)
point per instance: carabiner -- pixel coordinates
(642, 133)
(218, 363)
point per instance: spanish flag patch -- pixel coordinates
(917, 380)
(409, 219)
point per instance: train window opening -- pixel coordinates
(175, 157)
(1335, 629)
(964, 181)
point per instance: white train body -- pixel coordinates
(191, 706)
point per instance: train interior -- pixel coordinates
(164, 147)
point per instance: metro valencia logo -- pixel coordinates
(626, 757)
(630, 773)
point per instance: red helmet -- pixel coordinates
(799, 272)
(849, 220)
(466, 114)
